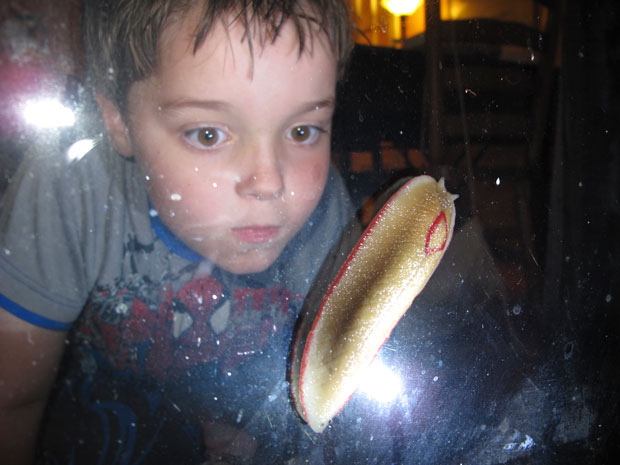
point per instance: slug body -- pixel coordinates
(387, 269)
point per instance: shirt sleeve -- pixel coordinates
(43, 224)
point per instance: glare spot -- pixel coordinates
(528, 443)
(147, 177)
(498, 181)
(196, 169)
(380, 383)
(47, 113)
(80, 148)
(176, 197)
(122, 308)
(153, 212)
(214, 184)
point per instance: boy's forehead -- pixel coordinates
(224, 69)
(178, 39)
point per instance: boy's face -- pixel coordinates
(235, 149)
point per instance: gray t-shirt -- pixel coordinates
(162, 340)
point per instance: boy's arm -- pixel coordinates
(29, 358)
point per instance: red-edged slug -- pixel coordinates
(388, 267)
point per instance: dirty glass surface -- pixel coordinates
(507, 356)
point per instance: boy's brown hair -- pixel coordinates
(121, 36)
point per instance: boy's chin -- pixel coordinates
(249, 262)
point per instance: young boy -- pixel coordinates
(170, 270)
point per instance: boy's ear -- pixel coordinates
(115, 126)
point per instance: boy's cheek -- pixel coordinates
(179, 189)
(314, 177)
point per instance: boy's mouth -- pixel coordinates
(256, 234)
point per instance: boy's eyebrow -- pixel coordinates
(325, 103)
(201, 104)
(219, 105)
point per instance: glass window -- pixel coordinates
(184, 272)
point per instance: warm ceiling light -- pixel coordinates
(401, 7)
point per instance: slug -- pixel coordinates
(388, 267)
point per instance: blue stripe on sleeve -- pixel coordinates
(30, 317)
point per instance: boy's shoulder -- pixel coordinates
(70, 215)
(85, 166)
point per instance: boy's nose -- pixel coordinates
(263, 176)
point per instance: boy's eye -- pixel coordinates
(207, 137)
(305, 133)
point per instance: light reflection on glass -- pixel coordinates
(80, 148)
(380, 383)
(47, 113)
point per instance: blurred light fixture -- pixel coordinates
(47, 113)
(401, 7)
